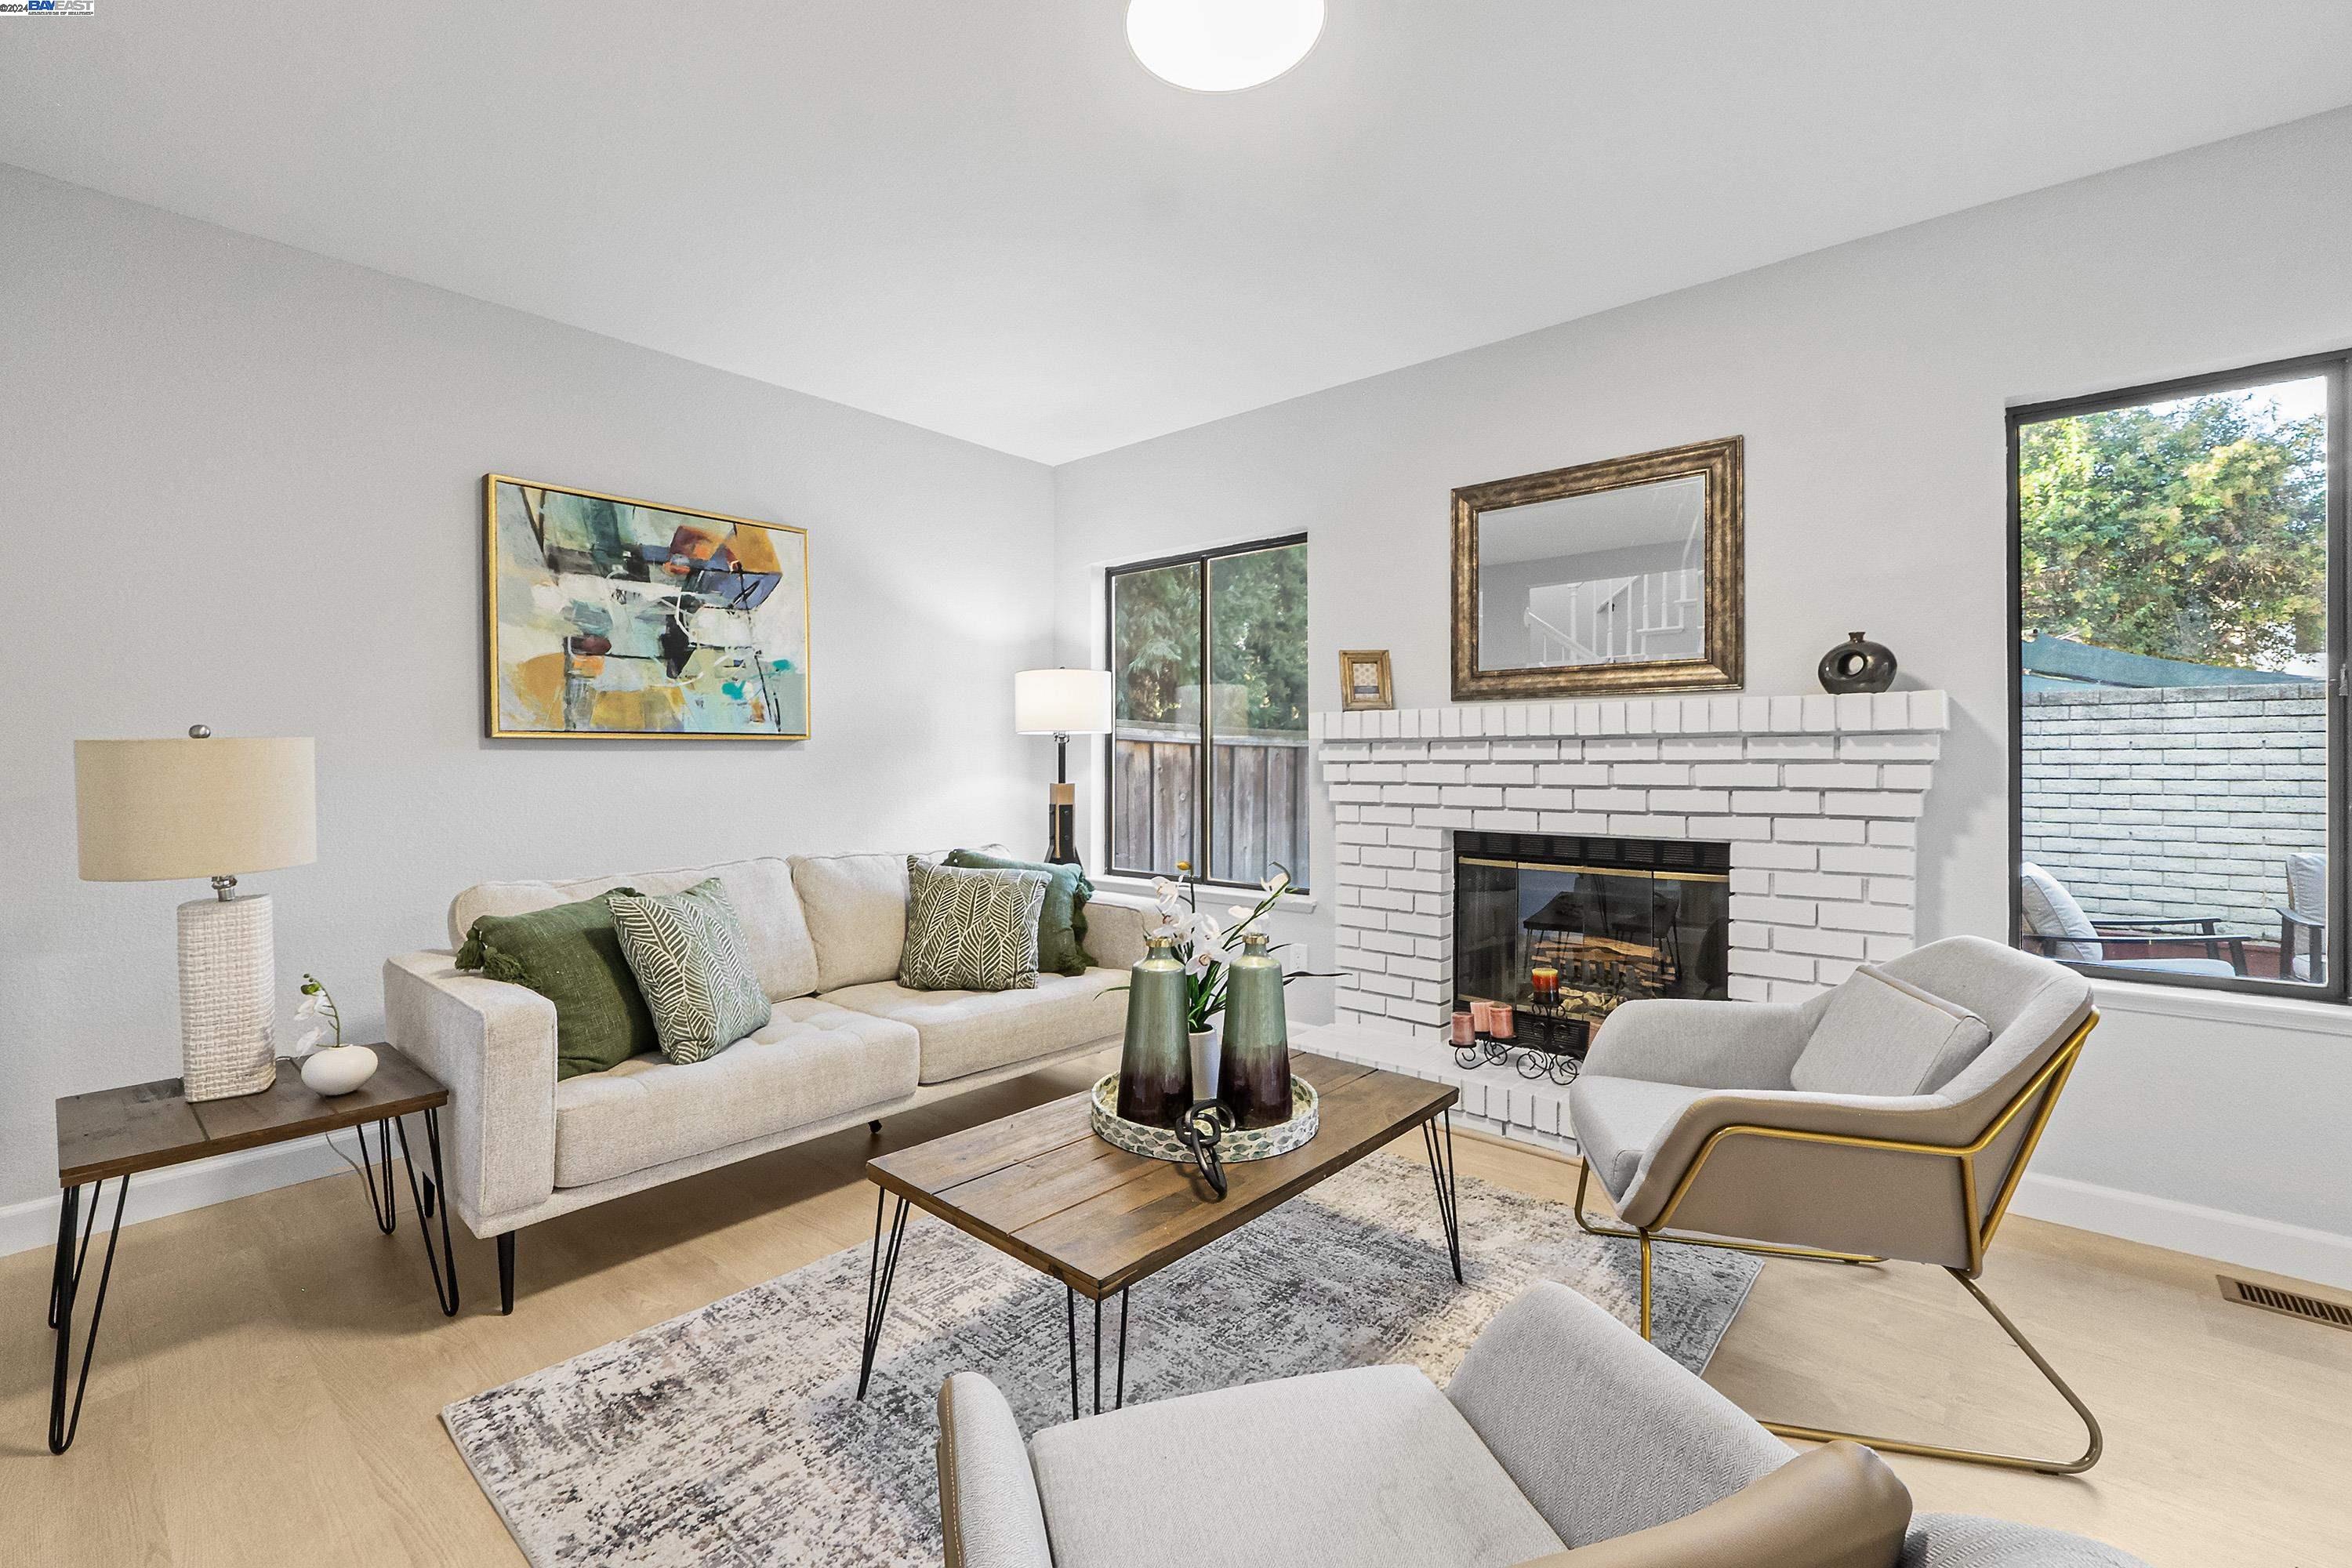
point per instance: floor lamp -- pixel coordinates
(1062, 703)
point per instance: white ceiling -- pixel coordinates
(984, 217)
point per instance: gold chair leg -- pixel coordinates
(1759, 1249)
(2089, 1457)
(1646, 1284)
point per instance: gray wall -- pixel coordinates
(1870, 382)
(2177, 800)
(242, 486)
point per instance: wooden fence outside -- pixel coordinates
(1257, 802)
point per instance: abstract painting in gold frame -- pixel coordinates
(613, 617)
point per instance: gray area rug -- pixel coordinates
(731, 1435)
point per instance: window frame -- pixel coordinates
(1204, 792)
(2335, 367)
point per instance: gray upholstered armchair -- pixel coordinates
(1564, 1441)
(1889, 1119)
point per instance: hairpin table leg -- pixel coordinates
(1121, 1404)
(879, 1269)
(445, 1264)
(65, 1285)
(1441, 1170)
(385, 1204)
(1070, 1312)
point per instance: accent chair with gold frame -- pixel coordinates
(1686, 1113)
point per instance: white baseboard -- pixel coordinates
(156, 1194)
(2296, 1251)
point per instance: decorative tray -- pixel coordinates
(1235, 1143)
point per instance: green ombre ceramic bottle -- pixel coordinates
(1256, 1083)
(1155, 1065)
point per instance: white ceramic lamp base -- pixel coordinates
(229, 997)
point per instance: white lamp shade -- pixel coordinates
(1061, 701)
(152, 811)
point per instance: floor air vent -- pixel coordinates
(2286, 1301)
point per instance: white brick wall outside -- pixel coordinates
(2178, 800)
(1817, 797)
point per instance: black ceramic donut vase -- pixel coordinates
(1857, 664)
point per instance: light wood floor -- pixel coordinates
(271, 1371)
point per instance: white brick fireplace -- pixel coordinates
(1817, 796)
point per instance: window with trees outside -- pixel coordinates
(2179, 560)
(1207, 750)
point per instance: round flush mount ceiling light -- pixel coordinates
(1222, 46)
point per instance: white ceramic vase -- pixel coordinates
(1208, 1057)
(337, 1069)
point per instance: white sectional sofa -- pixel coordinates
(848, 1043)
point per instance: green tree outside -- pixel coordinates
(1257, 632)
(1257, 640)
(2193, 531)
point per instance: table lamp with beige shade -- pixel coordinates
(154, 811)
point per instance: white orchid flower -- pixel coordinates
(1240, 911)
(310, 1039)
(1276, 883)
(307, 1008)
(1204, 959)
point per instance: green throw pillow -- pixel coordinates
(571, 955)
(691, 959)
(1062, 928)
(971, 929)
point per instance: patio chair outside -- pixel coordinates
(2303, 918)
(2056, 926)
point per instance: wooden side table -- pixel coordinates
(117, 1132)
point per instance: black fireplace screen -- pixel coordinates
(1563, 929)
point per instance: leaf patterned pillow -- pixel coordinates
(689, 954)
(971, 929)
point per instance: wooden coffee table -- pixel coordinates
(118, 1133)
(1041, 1187)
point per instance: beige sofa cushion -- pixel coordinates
(857, 907)
(972, 1031)
(813, 1060)
(760, 891)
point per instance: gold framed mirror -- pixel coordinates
(1617, 576)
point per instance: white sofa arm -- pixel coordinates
(1115, 927)
(493, 1046)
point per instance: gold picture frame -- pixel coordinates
(609, 618)
(1364, 678)
(1560, 664)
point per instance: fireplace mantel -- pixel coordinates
(1819, 797)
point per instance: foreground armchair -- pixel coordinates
(1564, 1441)
(1889, 1119)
